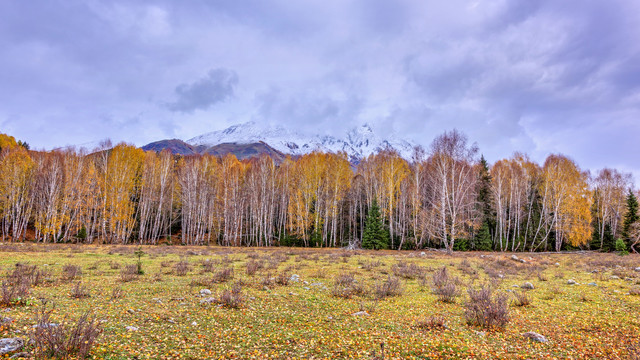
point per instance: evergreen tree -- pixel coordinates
(374, 236)
(631, 217)
(482, 240)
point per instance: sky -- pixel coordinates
(538, 77)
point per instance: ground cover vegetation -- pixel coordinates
(447, 197)
(70, 301)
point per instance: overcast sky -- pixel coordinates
(515, 75)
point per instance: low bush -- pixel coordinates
(233, 298)
(486, 309)
(63, 340)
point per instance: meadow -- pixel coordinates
(168, 302)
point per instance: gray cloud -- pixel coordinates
(216, 87)
(538, 76)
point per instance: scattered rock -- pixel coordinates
(131, 328)
(535, 337)
(252, 298)
(305, 282)
(171, 321)
(131, 311)
(638, 268)
(515, 286)
(480, 333)
(194, 324)
(614, 277)
(317, 284)
(522, 260)
(514, 257)
(158, 300)
(294, 278)
(5, 320)
(329, 317)
(204, 292)
(9, 345)
(528, 286)
(571, 282)
(306, 288)
(424, 254)
(45, 326)
(208, 300)
(557, 264)
(500, 276)
(592, 284)
(360, 313)
(293, 294)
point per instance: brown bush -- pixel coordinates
(223, 275)
(78, 291)
(71, 272)
(14, 294)
(181, 268)
(282, 279)
(233, 298)
(432, 323)
(253, 266)
(129, 273)
(444, 286)
(408, 270)
(62, 340)
(390, 287)
(346, 286)
(522, 298)
(486, 309)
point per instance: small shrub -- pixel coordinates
(129, 273)
(79, 291)
(63, 340)
(407, 270)
(117, 293)
(444, 286)
(233, 298)
(432, 323)
(346, 286)
(223, 275)
(253, 266)
(181, 268)
(391, 287)
(14, 294)
(71, 272)
(522, 298)
(485, 309)
(114, 265)
(634, 291)
(208, 266)
(282, 279)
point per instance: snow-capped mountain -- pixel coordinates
(358, 143)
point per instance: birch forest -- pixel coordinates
(447, 196)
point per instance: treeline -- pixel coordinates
(445, 197)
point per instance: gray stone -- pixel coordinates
(360, 313)
(204, 292)
(557, 264)
(194, 324)
(45, 326)
(528, 286)
(571, 282)
(522, 260)
(9, 345)
(208, 300)
(638, 268)
(131, 328)
(131, 311)
(515, 286)
(592, 284)
(513, 257)
(614, 277)
(294, 278)
(535, 337)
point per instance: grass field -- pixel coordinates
(326, 303)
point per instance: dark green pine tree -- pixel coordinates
(482, 239)
(374, 236)
(631, 217)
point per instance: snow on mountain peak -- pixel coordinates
(358, 142)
